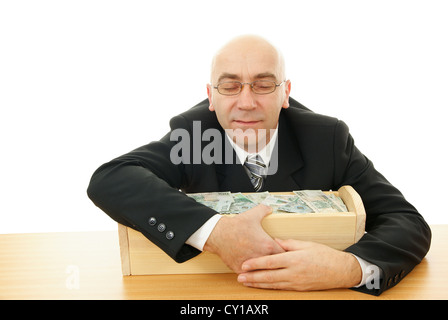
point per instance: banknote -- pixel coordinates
(318, 201)
(338, 202)
(240, 204)
(295, 206)
(258, 197)
(278, 200)
(303, 201)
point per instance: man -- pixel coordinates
(248, 102)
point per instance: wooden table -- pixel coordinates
(86, 265)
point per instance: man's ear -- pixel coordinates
(209, 94)
(287, 92)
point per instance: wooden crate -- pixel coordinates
(139, 256)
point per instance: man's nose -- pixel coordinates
(246, 98)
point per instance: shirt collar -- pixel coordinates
(265, 153)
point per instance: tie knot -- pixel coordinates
(255, 159)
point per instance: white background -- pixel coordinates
(82, 82)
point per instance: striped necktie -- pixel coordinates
(256, 170)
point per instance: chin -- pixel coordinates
(248, 138)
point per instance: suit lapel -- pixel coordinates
(231, 174)
(234, 179)
(289, 160)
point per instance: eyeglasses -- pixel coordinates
(232, 88)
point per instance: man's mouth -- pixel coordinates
(247, 122)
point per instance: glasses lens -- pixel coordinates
(229, 88)
(263, 87)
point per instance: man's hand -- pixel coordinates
(305, 266)
(238, 238)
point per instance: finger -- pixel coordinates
(264, 277)
(266, 262)
(291, 244)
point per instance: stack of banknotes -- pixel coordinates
(303, 201)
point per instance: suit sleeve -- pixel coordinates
(397, 237)
(141, 190)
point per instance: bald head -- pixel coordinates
(240, 54)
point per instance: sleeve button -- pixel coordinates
(170, 235)
(152, 221)
(161, 227)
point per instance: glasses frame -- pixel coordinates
(251, 84)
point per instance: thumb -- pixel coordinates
(259, 212)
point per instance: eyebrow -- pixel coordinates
(232, 76)
(265, 75)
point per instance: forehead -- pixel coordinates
(246, 64)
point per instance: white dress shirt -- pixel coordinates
(199, 238)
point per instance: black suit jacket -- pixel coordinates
(314, 152)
